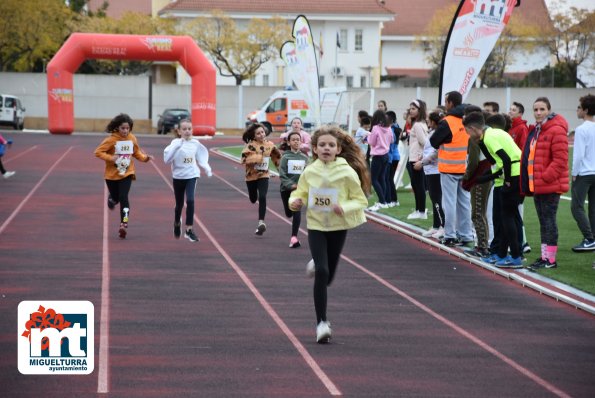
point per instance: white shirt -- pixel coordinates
(583, 157)
(185, 157)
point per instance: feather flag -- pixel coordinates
(474, 31)
(300, 57)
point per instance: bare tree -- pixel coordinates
(238, 52)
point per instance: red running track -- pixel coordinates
(232, 315)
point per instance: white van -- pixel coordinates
(11, 111)
(281, 107)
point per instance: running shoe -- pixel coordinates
(323, 332)
(543, 264)
(586, 245)
(122, 231)
(310, 269)
(509, 262)
(8, 174)
(190, 235)
(526, 248)
(294, 243)
(429, 232)
(260, 228)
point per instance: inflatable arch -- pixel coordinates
(81, 46)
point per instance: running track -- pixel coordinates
(232, 315)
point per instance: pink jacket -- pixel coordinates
(380, 139)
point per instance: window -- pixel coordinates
(321, 81)
(362, 81)
(343, 40)
(277, 105)
(350, 81)
(265, 80)
(253, 81)
(359, 40)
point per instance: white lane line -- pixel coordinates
(20, 154)
(103, 362)
(24, 201)
(330, 386)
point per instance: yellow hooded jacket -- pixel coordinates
(342, 178)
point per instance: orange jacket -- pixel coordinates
(107, 149)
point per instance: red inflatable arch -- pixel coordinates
(81, 46)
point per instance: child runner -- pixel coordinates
(292, 166)
(185, 154)
(3, 144)
(256, 155)
(333, 188)
(117, 151)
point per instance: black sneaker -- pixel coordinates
(110, 202)
(177, 230)
(585, 246)
(450, 242)
(541, 264)
(477, 252)
(526, 248)
(260, 228)
(190, 235)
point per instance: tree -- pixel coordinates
(31, 32)
(571, 40)
(518, 35)
(236, 52)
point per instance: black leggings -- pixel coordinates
(435, 191)
(257, 190)
(2, 169)
(325, 247)
(184, 187)
(418, 184)
(296, 215)
(118, 190)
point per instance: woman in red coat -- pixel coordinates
(544, 175)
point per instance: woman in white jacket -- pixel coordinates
(185, 154)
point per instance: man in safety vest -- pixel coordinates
(498, 145)
(451, 141)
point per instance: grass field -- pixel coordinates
(574, 269)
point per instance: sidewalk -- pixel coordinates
(554, 289)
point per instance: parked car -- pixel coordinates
(12, 112)
(170, 119)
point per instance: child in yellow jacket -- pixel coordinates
(334, 188)
(118, 151)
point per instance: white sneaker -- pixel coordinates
(8, 174)
(323, 332)
(414, 216)
(310, 269)
(393, 204)
(383, 205)
(376, 207)
(439, 234)
(424, 215)
(429, 232)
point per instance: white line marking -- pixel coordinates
(20, 154)
(103, 362)
(24, 201)
(333, 390)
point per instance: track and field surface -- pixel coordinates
(232, 315)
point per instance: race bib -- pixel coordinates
(264, 166)
(124, 148)
(296, 166)
(188, 160)
(322, 199)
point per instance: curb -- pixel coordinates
(546, 286)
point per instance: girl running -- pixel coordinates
(334, 188)
(256, 155)
(118, 151)
(185, 154)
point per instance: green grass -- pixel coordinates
(574, 269)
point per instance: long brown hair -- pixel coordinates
(350, 151)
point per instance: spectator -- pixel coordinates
(583, 173)
(544, 175)
(451, 141)
(379, 140)
(417, 139)
(491, 107)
